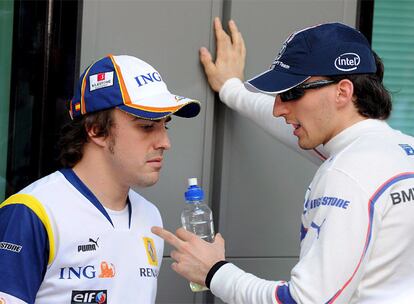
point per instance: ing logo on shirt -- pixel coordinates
(151, 252)
(107, 270)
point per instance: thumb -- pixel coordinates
(219, 239)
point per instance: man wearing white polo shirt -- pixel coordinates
(81, 234)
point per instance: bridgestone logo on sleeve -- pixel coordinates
(10, 247)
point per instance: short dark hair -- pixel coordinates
(372, 99)
(74, 135)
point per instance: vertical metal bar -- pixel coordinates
(45, 82)
(220, 170)
(365, 18)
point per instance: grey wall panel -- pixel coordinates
(265, 194)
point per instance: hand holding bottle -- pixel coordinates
(197, 218)
(193, 257)
(197, 250)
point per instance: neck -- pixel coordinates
(350, 122)
(347, 117)
(100, 179)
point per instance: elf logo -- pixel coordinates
(89, 296)
(347, 62)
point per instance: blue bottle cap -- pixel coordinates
(194, 192)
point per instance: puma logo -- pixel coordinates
(317, 227)
(95, 242)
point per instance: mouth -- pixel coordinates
(155, 162)
(296, 127)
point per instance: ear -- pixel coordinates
(344, 93)
(100, 141)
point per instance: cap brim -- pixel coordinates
(274, 82)
(177, 105)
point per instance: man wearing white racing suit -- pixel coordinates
(356, 236)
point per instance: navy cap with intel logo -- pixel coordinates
(324, 50)
(130, 84)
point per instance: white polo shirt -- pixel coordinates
(58, 244)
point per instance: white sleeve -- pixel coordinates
(233, 285)
(259, 108)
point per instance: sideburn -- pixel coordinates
(111, 143)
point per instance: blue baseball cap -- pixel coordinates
(323, 50)
(130, 84)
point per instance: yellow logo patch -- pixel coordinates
(151, 252)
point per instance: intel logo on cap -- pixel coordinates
(347, 62)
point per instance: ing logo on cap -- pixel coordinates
(347, 62)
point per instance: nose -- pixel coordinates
(163, 140)
(280, 108)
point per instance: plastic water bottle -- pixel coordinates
(197, 218)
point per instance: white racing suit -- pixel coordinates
(357, 240)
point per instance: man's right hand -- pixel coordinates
(230, 58)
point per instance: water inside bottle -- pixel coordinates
(204, 229)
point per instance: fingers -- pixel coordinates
(237, 38)
(207, 61)
(243, 47)
(169, 237)
(175, 255)
(184, 234)
(222, 39)
(234, 32)
(217, 24)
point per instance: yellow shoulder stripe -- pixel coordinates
(33, 204)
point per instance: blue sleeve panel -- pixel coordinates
(24, 251)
